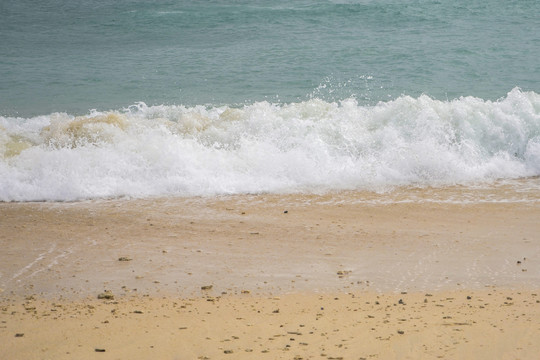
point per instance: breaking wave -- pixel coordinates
(310, 146)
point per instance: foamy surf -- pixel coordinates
(310, 146)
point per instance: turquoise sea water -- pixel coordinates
(150, 98)
(73, 56)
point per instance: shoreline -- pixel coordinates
(268, 244)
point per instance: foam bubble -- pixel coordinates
(309, 146)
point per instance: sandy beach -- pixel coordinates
(315, 179)
(350, 275)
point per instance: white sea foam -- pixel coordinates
(309, 146)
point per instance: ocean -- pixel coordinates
(131, 98)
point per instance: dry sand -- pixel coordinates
(490, 325)
(349, 275)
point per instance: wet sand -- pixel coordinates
(332, 268)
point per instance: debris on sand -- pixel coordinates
(107, 295)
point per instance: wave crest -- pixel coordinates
(264, 147)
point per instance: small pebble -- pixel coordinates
(107, 295)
